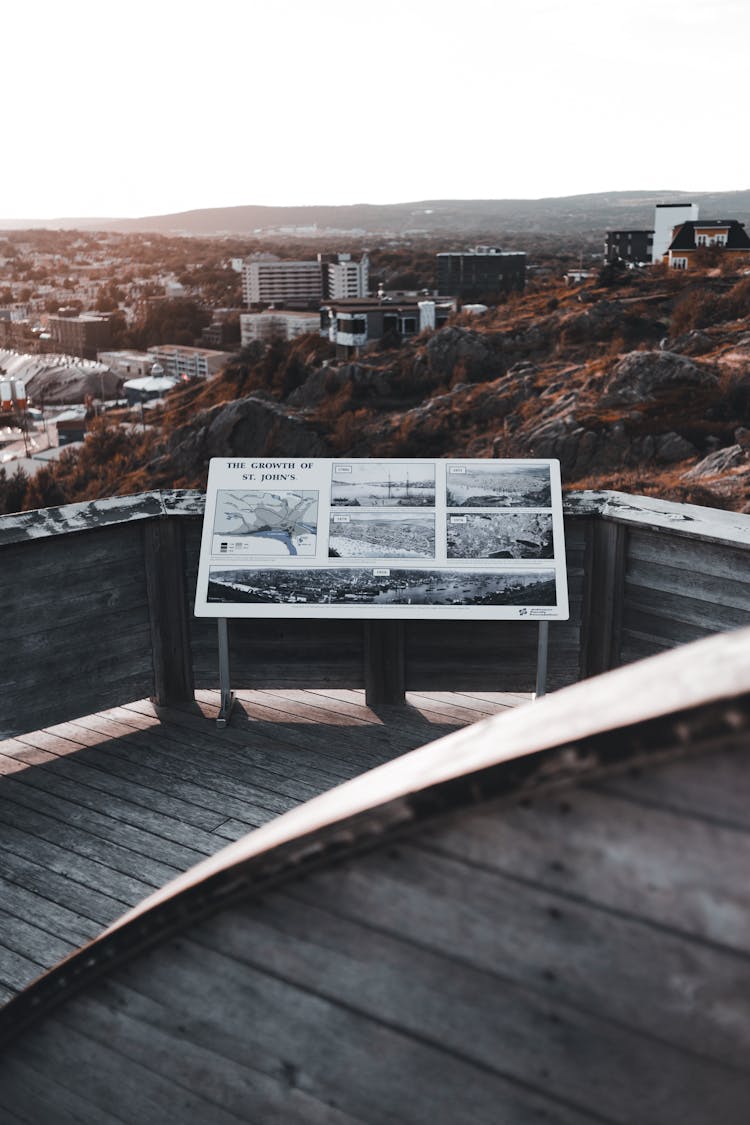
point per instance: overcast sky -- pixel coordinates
(151, 106)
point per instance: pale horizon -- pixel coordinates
(167, 111)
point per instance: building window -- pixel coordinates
(679, 263)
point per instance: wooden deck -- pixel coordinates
(98, 813)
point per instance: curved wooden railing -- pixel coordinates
(95, 606)
(368, 957)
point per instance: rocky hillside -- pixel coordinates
(643, 384)
(640, 382)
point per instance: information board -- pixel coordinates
(396, 538)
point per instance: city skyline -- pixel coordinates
(154, 114)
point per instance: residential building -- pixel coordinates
(343, 277)
(667, 216)
(727, 235)
(129, 365)
(82, 335)
(276, 324)
(267, 281)
(288, 284)
(354, 324)
(189, 363)
(629, 245)
(484, 273)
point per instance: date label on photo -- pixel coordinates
(342, 519)
(343, 469)
(382, 572)
(458, 519)
(456, 469)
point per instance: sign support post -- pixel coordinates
(227, 695)
(542, 649)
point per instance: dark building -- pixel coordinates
(83, 335)
(352, 325)
(628, 245)
(485, 273)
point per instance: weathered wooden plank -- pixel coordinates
(726, 560)
(62, 803)
(168, 611)
(75, 841)
(378, 1073)
(651, 625)
(117, 800)
(120, 636)
(731, 592)
(33, 941)
(93, 1070)
(143, 1033)
(40, 1101)
(27, 616)
(715, 787)
(16, 970)
(652, 863)
(710, 617)
(589, 1057)
(38, 702)
(27, 905)
(177, 785)
(87, 902)
(620, 967)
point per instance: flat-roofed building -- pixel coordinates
(354, 324)
(485, 273)
(189, 363)
(128, 364)
(668, 216)
(276, 324)
(288, 284)
(628, 245)
(82, 335)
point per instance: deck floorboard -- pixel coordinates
(96, 813)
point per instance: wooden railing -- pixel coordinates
(95, 608)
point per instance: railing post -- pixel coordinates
(385, 665)
(602, 622)
(168, 611)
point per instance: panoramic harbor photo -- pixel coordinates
(383, 586)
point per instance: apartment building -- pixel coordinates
(628, 246)
(298, 285)
(287, 284)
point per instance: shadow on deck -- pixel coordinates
(100, 812)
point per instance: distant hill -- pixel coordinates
(589, 214)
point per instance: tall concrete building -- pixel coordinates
(667, 216)
(343, 277)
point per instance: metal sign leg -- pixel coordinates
(541, 659)
(227, 695)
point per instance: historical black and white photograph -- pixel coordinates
(265, 523)
(497, 485)
(500, 535)
(383, 586)
(383, 484)
(381, 534)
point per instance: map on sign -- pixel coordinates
(383, 538)
(265, 523)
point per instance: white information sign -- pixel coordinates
(394, 538)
